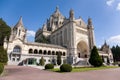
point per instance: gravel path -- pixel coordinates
(29, 73)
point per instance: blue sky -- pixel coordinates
(105, 15)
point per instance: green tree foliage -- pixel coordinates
(42, 61)
(59, 58)
(4, 31)
(95, 59)
(3, 55)
(1, 68)
(116, 53)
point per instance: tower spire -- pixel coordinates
(20, 22)
(105, 43)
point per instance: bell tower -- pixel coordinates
(90, 33)
(18, 31)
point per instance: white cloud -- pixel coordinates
(114, 40)
(99, 46)
(110, 2)
(118, 6)
(30, 33)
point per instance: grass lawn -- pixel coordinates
(81, 69)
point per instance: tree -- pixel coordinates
(3, 55)
(4, 31)
(1, 68)
(42, 61)
(116, 53)
(95, 59)
(59, 58)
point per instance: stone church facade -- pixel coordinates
(70, 37)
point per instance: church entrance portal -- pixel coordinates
(15, 55)
(82, 49)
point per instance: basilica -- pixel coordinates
(70, 37)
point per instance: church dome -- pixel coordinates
(57, 13)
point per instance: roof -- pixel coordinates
(19, 23)
(45, 45)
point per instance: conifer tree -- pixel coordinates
(3, 55)
(42, 61)
(4, 31)
(95, 59)
(59, 58)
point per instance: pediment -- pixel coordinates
(80, 22)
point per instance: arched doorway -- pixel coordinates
(82, 49)
(16, 54)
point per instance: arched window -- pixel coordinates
(86, 56)
(49, 52)
(63, 53)
(40, 51)
(45, 52)
(35, 51)
(79, 55)
(30, 51)
(53, 52)
(19, 32)
(56, 52)
(60, 53)
(17, 49)
(15, 55)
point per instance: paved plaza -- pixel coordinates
(29, 73)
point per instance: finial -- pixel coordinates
(57, 8)
(20, 19)
(89, 21)
(71, 14)
(105, 42)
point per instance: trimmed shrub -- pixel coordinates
(42, 61)
(1, 68)
(65, 68)
(49, 66)
(95, 59)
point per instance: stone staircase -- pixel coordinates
(82, 62)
